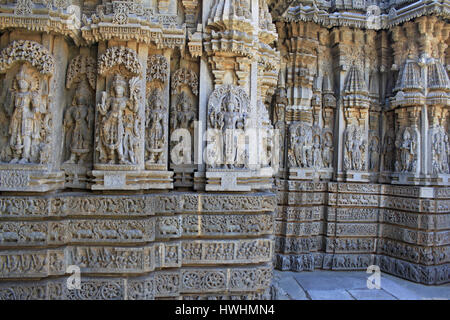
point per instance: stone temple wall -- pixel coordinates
(348, 226)
(174, 245)
(362, 104)
(183, 149)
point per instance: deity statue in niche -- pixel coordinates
(228, 119)
(78, 125)
(281, 102)
(317, 153)
(406, 143)
(227, 107)
(184, 118)
(118, 122)
(155, 136)
(327, 156)
(374, 154)
(302, 142)
(231, 122)
(440, 151)
(25, 124)
(355, 148)
(388, 151)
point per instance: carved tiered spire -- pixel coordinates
(438, 77)
(410, 78)
(230, 15)
(354, 83)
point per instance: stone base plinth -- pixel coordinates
(131, 180)
(238, 180)
(174, 245)
(76, 176)
(183, 176)
(350, 226)
(310, 174)
(29, 178)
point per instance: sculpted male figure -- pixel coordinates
(112, 125)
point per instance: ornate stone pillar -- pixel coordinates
(234, 163)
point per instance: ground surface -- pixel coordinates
(352, 285)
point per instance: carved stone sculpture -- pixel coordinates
(374, 154)
(407, 146)
(155, 134)
(119, 124)
(355, 148)
(227, 113)
(78, 124)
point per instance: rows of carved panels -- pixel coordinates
(135, 260)
(38, 233)
(87, 204)
(358, 223)
(219, 281)
(137, 235)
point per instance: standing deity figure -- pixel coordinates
(292, 151)
(440, 152)
(280, 104)
(317, 153)
(24, 128)
(231, 121)
(355, 148)
(185, 116)
(358, 150)
(155, 137)
(406, 145)
(307, 147)
(348, 147)
(78, 125)
(388, 152)
(327, 156)
(303, 146)
(228, 120)
(374, 152)
(115, 115)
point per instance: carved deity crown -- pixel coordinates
(119, 81)
(23, 74)
(230, 99)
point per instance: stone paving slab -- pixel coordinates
(350, 285)
(291, 287)
(371, 294)
(331, 280)
(330, 295)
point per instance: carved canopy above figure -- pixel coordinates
(32, 52)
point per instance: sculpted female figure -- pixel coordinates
(155, 125)
(231, 123)
(25, 123)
